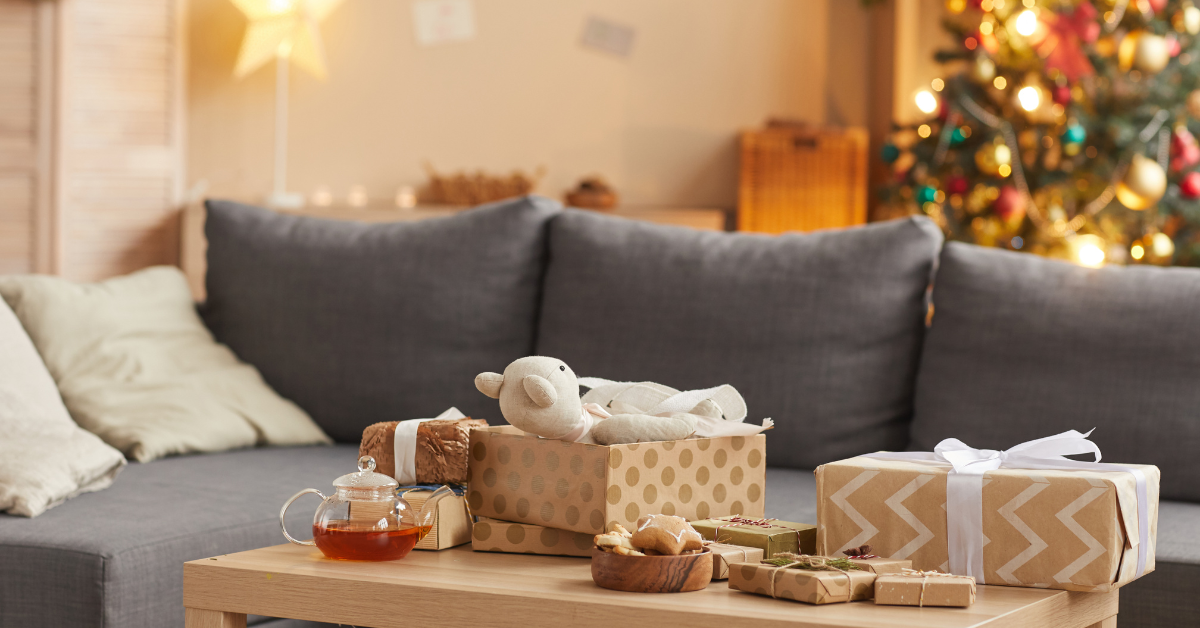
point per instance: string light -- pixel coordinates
(938, 84)
(1027, 23)
(924, 131)
(1089, 250)
(1137, 252)
(1029, 98)
(926, 101)
(985, 28)
(1000, 82)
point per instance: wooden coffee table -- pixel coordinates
(458, 587)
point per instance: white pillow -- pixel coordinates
(137, 367)
(44, 457)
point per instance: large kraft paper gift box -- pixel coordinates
(572, 486)
(490, 535)
(1076, 530)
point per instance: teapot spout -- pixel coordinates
(429, 510)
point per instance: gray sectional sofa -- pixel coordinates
(824, 332)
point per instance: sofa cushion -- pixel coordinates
(363, 323)
(136, 366)
(115, 558)
(1023, 347)
(44, 456)
(818, 331)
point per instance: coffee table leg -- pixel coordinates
(200, 618)
(1111, 622)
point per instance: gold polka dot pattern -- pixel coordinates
(583, 488)
(491, 535)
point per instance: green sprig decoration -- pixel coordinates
(808, 563)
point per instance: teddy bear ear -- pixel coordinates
(540, 390)
(489, 384)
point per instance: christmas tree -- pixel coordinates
(1068, 132)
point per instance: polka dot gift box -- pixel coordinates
(588, 488)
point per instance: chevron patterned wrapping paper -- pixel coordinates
(1071, 530)
(522, 478)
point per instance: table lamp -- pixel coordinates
(285, 30)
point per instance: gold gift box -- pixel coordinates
(491, 535)
(771, 536)
(1073, 530)
(571, 486)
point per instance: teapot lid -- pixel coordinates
(366, 477)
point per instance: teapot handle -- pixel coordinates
(283, 511)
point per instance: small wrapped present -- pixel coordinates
(810, 579)
(877, 565)
(493, 535)
(422, 451)
(725, 555)
(1028, 516)
(771, 536)
(451, 522)
(924, 588)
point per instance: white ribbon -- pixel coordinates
(964, 487)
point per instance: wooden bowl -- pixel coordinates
(652, 574)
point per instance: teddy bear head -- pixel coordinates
(538, 395)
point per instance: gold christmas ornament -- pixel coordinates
(1153, 248)
(1187, 20)
(994, 159)
(1193, 104)
(1144, 52)
(1144, 183)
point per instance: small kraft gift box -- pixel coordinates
(1027, 516)
(809, 579)
(589, 488)
(451, 521)
(924, 588)
(725, 555)
(862, 558)
(770, 535)
(492, 535)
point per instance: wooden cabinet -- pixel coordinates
(91, 135)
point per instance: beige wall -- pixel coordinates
(660, 124)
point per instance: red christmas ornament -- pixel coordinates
(1173, 47)
(1185, 151)
(1062, 94)
(956, 185)
(1189, 187)
(1009, 205)
(1157, 5)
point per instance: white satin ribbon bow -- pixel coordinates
(964, 487)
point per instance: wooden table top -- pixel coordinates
(457, 586)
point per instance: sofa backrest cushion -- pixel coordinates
(818, 331)
(362, 323)
(1022, 347)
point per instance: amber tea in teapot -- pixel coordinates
(365, 519)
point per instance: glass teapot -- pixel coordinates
(365, 519)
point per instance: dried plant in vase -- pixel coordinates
(462, 188)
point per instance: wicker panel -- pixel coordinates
(802, 179)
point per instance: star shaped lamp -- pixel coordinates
(286, 31)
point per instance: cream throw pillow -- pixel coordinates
(137, 367)
(44, 457)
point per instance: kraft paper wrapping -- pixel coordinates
(490, 535)
(451, 521)
(725, 555)
(588, 488)
(1071, 530)
(881, 566)
(802, 585)
(777, 538)
(921, 590)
